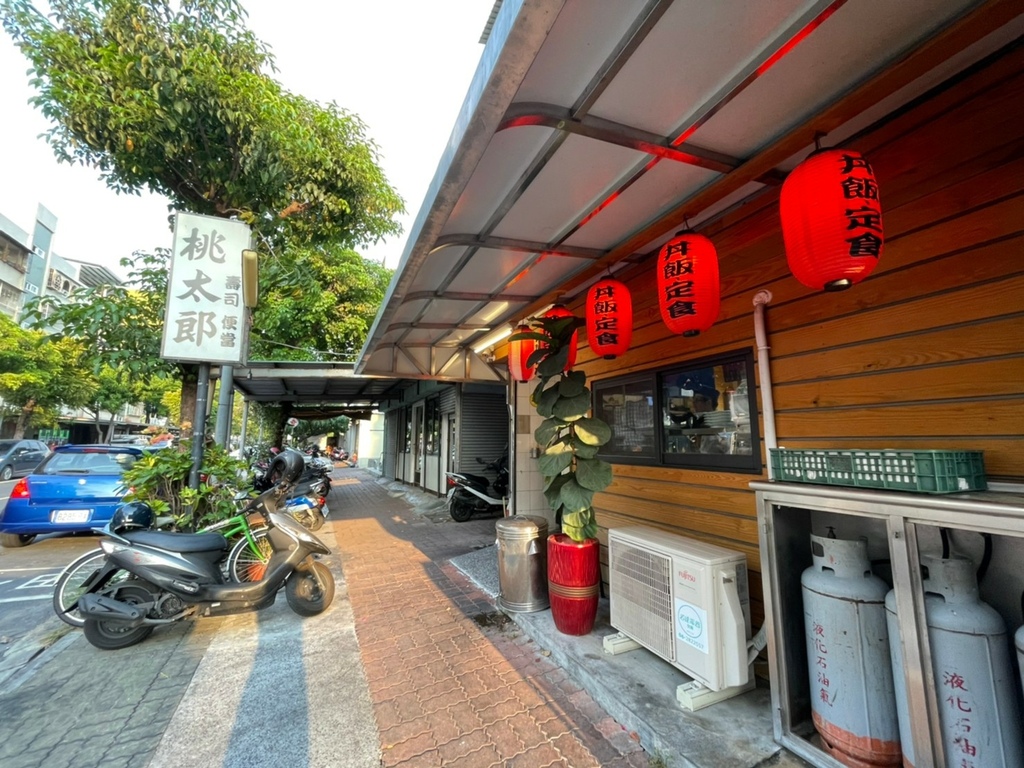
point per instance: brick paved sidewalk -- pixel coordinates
(453, 682)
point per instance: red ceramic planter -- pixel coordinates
(574, 576)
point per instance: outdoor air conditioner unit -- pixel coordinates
(686, 601)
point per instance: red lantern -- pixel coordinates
(609, 318)
(519, 351)
(688, 290)
(831, 220)
(559, 311)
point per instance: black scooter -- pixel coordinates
(469, 493)
(175, 576)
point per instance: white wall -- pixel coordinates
(528, 482)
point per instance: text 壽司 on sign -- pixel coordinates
(206, 317)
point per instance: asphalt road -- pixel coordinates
(27, 576)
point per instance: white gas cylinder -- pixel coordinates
(853, 703)
(972, 667)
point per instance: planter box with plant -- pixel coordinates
(572, 471)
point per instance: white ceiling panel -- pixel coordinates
(656, 191)
(855, 42)
(507, 157)
(491, 268)
(549, 270)
(697, 48)
(408, 311)
(581, 40)
(436, 268)
(575, 180)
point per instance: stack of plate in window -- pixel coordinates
(719, 420)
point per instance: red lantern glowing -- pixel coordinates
(559, 311)
(688, 289)
(519, 351)
(609, 318)
(831, 220)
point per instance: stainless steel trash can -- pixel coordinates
(522, 563)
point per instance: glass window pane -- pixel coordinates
(628, 408)
(706, 410)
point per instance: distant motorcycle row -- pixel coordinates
(141, 578)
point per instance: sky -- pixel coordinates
(403, 66)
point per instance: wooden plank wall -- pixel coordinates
(926, 353)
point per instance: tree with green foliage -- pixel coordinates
(39, 375)
(113, 392)
(316, 304)
(174, 97)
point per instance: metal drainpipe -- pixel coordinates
(761, 300)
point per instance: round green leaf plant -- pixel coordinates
(570, 438)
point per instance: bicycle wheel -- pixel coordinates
(244, 563)
(71, 584)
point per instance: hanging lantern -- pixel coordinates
(559, 311)
(831, 220)
(609, 318)
(519, 351)
(688, 289)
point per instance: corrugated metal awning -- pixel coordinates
(588, 138)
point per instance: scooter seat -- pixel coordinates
(179, 542)
(479, 480)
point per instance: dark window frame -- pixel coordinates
(660, 455)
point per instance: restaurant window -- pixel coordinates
(698, 414)
(432, 426)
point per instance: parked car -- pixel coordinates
(20, 457)
(76, 488)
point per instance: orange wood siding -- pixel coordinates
(926, 353)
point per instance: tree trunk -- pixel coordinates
(98, 426)
(26, 413)
(189, 380)
(110, 426)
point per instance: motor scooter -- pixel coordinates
(470, 493)
(173, 576)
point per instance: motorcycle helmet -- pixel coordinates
(134, 516)
(286, 467)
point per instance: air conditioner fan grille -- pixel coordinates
(641, 597)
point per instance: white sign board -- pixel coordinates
(205, 320)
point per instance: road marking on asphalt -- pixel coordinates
(6, 581)
(24, 599)
(48, 581)
(20, 570)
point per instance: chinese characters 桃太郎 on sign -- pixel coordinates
(205, 319)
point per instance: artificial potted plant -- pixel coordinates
(570, 440)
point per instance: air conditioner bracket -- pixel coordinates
(694, 695)
(620, 643)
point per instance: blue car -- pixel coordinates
(76, 488)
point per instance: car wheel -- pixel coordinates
(7, 472)
(16, 539)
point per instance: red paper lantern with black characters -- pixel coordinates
(559, 311)
(519, 351)
(688, 287)
(609, 318)
(832, 220)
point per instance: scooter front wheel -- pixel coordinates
(113, 635)
(310, 589)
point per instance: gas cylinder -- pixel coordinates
(853, 703)
(972, 668)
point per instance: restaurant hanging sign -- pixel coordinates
(205, 320)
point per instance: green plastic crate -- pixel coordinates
(918, 471)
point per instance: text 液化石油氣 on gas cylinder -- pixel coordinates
(972, 668)
(852, 697)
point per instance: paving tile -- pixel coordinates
(452, 681)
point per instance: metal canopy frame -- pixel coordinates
(317, 390)
(584, 144)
